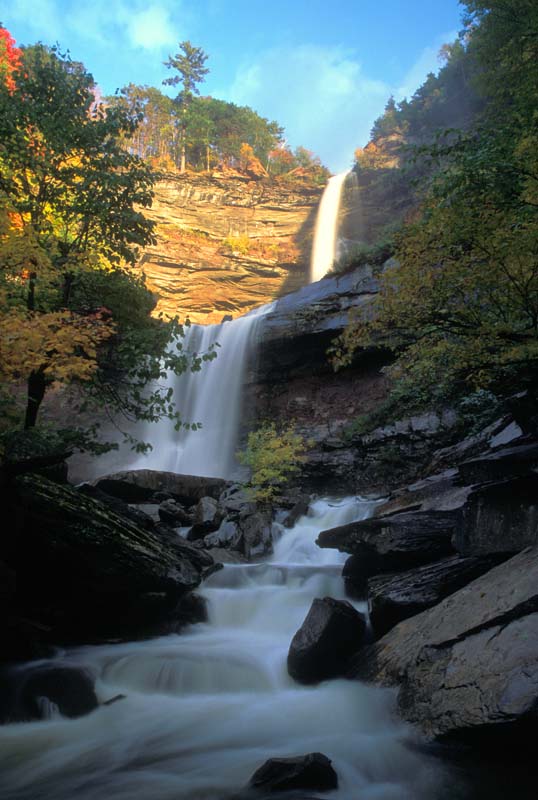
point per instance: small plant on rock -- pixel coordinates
(273, 457)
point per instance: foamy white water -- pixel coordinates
(211, 397)
(324, 248)
(204, 709)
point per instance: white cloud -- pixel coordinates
(152, 28)
(320, 94)
(114, 22)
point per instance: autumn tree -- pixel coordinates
(189, 63)
(459, 306)
(70, 226)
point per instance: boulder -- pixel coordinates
(93, 572)
(227, 535)
(174, 514)
(31, 693)
(207, 518)
(137, 486)
(255, 534)
(395, 597)
(508, 462)
(500, 517)
(311, 771)
(469, 665)
(330, 634)
(394, 543)
(299, 509)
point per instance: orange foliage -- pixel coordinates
(10, 59)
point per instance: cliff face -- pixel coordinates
(227, 244)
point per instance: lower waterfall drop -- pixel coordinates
(211, 397)
(204, 709)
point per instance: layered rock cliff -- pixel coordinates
(227, 243)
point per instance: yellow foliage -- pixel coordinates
(60, 344)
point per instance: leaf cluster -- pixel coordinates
(273, 457)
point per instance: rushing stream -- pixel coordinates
(204, 709)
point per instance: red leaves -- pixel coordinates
(10, 59)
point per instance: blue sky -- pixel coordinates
(324, 70)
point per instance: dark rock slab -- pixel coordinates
(394, 543)
(469, 665)
(82, 538)
(312, 771)
(330, 634)
(137, 486)
(508, 462)
(500, 517)
(27, 692)
(395, 597)
(136, 515)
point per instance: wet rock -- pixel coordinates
(299, 509)
(469, 665)
(500, 517)
(174, 514)
(330, 634)
(32, 692)
(228, 534)
(206, 517)
(137, 486)
(395, 597)
(234, 500)
(394, 543)
(255, 534)
(508, 462)
(311, 771)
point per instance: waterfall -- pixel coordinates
(211, 397)
(325, 246)
(202, 710)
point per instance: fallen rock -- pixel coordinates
(508, 462)
(330, 634)
(137, 486)
(395, 597)
(469, 665)
(31, 693)
(500, 517)
(311, 771)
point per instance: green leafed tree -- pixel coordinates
(189, 63)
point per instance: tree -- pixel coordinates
(189, 62)
(460, 306)
(70, 227)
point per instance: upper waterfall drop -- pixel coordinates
(324, 248)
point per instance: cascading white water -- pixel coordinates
(324, 248)
(211, 397)
(204, 709)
